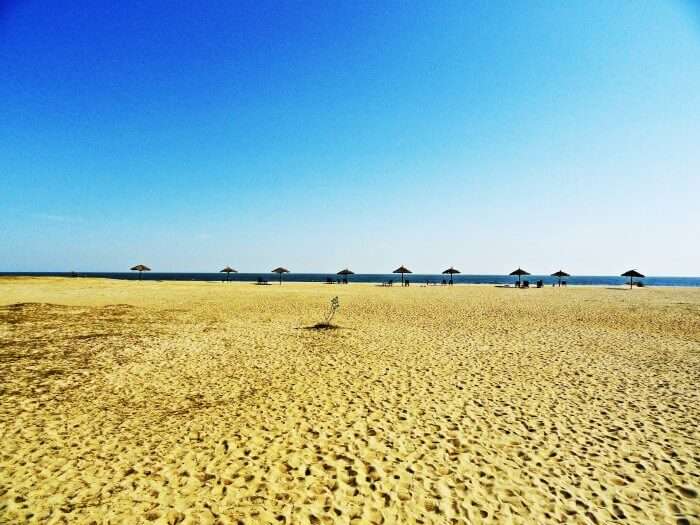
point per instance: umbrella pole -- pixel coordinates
(140, 277)
(402, 284)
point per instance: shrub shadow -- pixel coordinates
(322, 326)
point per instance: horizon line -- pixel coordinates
(151, 272)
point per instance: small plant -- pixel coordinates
(332, 309)
(335, 304)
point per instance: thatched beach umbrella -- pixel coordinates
(519, 272)
(345, 272)
(228, 271)
(402, 270)
(280, 271)
(560, 274)
(632, 274)
(451, 271)
(140, 268)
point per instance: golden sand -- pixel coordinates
(127, 402)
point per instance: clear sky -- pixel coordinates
(319, 135)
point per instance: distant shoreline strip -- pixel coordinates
(416, 279)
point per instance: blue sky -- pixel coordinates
(320, 135)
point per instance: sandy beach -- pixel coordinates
(174, 402)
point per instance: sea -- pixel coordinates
(378, 278)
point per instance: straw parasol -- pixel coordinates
(632, 274)
(519, 272)
(140, 268)
(345, 272)
(451, 271)
(228, 271)
(402, 270)
(560, 274)
(280, 271)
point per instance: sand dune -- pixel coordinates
(128, 402)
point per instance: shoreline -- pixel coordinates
(414, 284)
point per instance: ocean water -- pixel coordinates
(415, 279)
